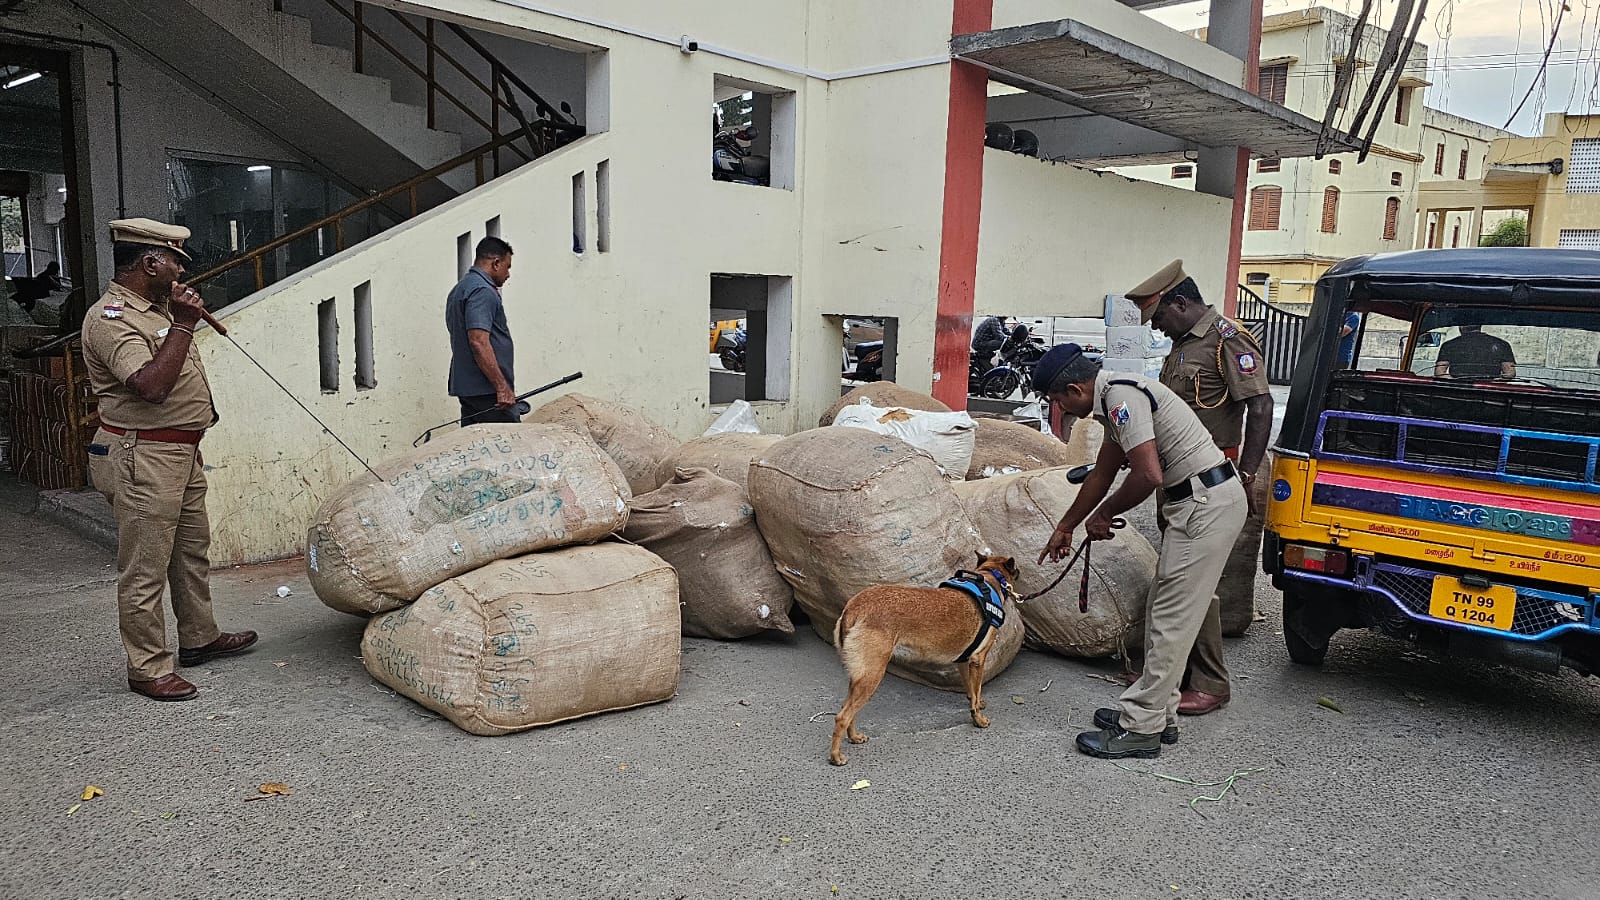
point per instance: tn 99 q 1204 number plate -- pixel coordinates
(1490, 607)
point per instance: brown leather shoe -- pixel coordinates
(229, 642)
(170, 686)
(1198, 703)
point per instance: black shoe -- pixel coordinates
(1114, 743)
(1108, 719)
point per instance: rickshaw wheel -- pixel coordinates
(1301, 650)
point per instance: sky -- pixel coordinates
(1484, 54)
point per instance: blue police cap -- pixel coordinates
(1052, 363)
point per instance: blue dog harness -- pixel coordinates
(991, 604)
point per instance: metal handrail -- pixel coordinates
(258, 255)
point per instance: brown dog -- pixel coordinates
(918, 626)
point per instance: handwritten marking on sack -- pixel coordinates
(404, 668)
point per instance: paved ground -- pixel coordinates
(1440, 779)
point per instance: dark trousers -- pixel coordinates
(482, 411)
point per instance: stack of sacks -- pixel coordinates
(884, 394)
(1016, 515)
(844, 509)
(704, 526)
(725, 455)
(1006, 448)
(946, 436)
(469, 531)
(637, 444)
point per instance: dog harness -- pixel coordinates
(991, 604)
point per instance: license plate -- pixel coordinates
(1490, 607)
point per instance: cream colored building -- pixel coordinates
(883, 202)
(1306, 214)
(1552, 181)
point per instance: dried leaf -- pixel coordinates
(280, 664)
(73, 808)
(836, 889)
(91, 792)
(168, 815)
(860, 785)
(1018, 701)
(785, 840)
(276, 788)
(1325, 703)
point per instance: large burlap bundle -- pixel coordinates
(537, 639)
(636, 443)
(844, 509)
(480, 494)
(1006, 448)
(1016, 514)
(883, 393)
(703, 525)
(947, 437)
(726, 455)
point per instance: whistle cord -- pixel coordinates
(307, 409)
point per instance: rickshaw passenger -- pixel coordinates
(1475, 355)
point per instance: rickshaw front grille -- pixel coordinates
(1412, 588)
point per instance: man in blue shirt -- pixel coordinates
(481, 363)
(1347, 339)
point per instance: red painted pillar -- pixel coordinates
(1241, 177)
(963, 203)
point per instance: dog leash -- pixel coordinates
(1083, 581)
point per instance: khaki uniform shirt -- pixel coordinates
(1215, 367)
(121, 334)
(1147, 411)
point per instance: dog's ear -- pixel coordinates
(1010, 565)
(981, 558)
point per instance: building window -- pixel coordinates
(1268, 165)
(1274, 83)
(753, 133)
(1256, 278)
(1265, 203)
(1461, 172)
(1330, 210)
(1433, 230)
(1438, 160)
(1583, 166)
(1391, 218)
(756, 364)
(1182, 172)
(1579, 238)
(1402, 105)
(1395, 178)
(1335, 167)
(1455, 235)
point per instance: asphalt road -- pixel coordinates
(1441, 779)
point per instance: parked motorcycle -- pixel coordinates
(1018, 355)
(731, 349)
(868, 356)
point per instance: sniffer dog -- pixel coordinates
(918, 626)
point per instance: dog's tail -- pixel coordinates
(839, 629)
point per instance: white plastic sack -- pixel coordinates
(738, 417)
(947, 437)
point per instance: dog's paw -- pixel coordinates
(858, 738)
(980, 720)
(838, 759)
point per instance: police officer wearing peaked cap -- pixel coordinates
(155, 405)
(1216, 367)
(1169, 452)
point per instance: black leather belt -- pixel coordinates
(1184, 489)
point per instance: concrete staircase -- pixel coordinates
(265, 67)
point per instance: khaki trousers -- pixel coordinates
(158, 493)
(1233, 607)
(1195, 544)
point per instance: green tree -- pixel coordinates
(1511, 232)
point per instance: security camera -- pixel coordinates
(686, 45)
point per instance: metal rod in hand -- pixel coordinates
(427, 436)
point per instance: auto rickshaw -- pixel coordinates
(1440, 487)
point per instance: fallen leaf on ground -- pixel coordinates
(836, 889)
(73, 808)
(1018, 701)
(863, 783)
(271, 789)
(280, 664)
(91, 792)
(1325, 703)
(168, 815)
(786, 840)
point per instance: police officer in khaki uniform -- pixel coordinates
(1216, 366)
(1167, 448)
(155, 406)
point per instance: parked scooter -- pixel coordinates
(1018, 355)
(868, 357)
(731, 349)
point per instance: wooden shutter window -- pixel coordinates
(1269, 165)
(1274, 83)
(1462, 174)
(1438, 160)
(1330, 210)
(1335, 167)
(1265, 204)
(1391, 218)
(1455, 236)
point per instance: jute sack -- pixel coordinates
(636, 443)
(703, 525)
(725, 455)
(480, 494)
(947, 437)
(844, 509)
(537, 639)
(883, 393)
(1006, 448)
(1016, 514)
